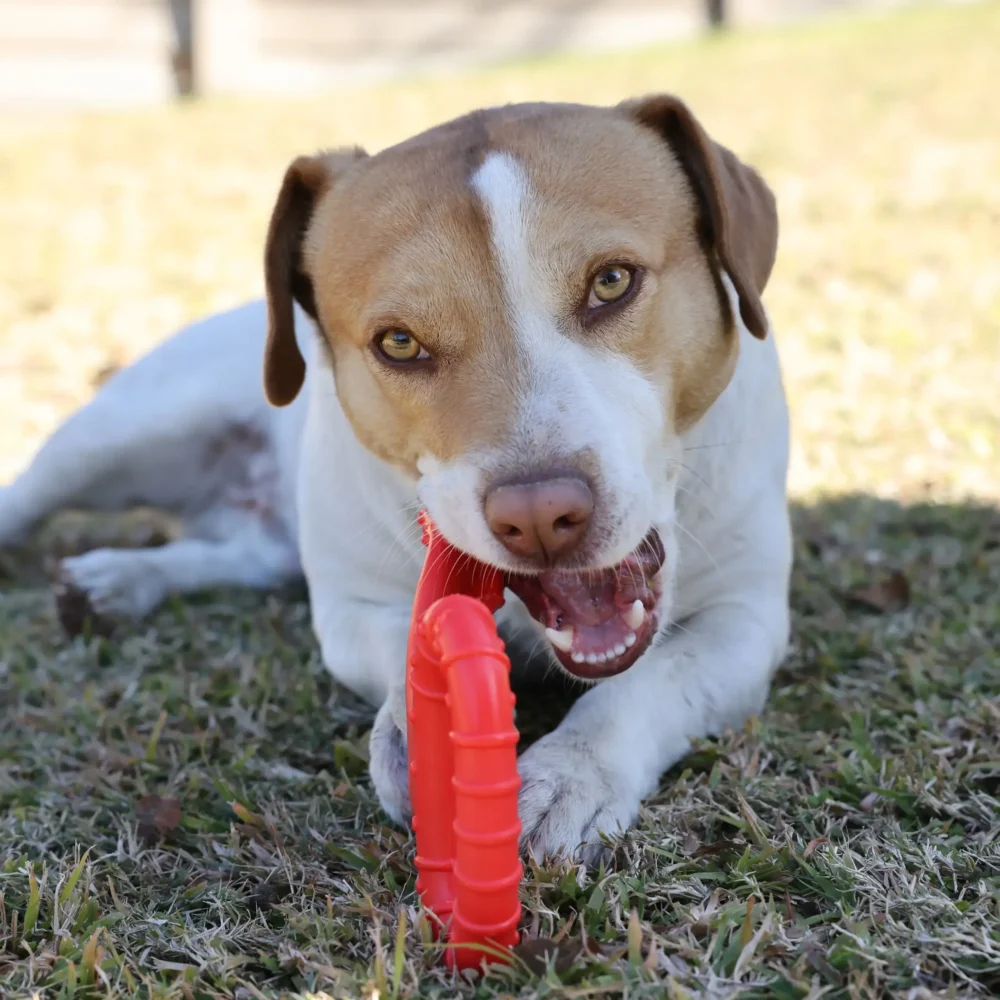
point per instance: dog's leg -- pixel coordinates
(363, 645)
(66, 468)
(129, 583)
(154, 432)
(588, 777)
(112, 454)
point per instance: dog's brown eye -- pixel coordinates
(399, 345)
(610, 284)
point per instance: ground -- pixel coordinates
(184, 808)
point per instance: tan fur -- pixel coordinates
(399, 240)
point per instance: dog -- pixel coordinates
(543, 323)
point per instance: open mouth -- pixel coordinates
(600, 621)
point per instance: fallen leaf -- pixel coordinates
(719, 847)
(812, 845)
(890, 593)
(536, 953)
(252, 819)
(157, 817)
(746, 932)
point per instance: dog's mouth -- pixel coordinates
(600, 621)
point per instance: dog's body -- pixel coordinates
(623, 460)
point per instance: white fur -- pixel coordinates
(729, 596)
(296, 480)
(185, 429)
(573, 399)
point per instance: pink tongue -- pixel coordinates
(581, 601)
(592, 601)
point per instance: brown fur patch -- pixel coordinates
(399, 240)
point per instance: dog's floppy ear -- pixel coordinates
(738, 207)
(285, 278)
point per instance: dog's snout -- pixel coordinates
(543, 520)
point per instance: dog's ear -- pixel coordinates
(285, 278)
(738, 209)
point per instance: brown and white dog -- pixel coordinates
(543, 323)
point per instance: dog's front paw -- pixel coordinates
(570, 799)
(387, 758)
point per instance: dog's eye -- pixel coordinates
(610, 284)
(400, 345)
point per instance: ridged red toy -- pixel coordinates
(463, 755)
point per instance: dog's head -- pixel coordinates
(524, 309)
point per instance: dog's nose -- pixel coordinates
(542, 520)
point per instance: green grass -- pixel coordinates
(847, 844)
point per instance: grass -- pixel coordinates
(846, 844)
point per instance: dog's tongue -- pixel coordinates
(599, 615)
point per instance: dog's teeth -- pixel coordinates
(592, 657)
(602, 657)
(630, 640)
(619, 649)
(561, 639)
(635, 615)
(579, 658)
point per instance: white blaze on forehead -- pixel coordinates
(511, 207)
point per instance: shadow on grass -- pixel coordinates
(949, 556)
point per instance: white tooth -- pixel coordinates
(619, 649)
(602, 657)
(630, 640)
(562, 639)
(592, 657)
(579, 658)
(635, 615)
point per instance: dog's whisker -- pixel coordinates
(695, 495)
(701, 479)
(720, 444)
(697, 541)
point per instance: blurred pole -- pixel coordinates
(180, 16)
(716, 14)
(224, 36)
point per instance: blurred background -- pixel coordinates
(142, 142)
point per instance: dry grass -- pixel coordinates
(845, 845)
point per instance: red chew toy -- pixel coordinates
(463, 754)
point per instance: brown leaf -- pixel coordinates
(746, 932)
(890, 593)
(719, 847)
(250, 818)
(157, 817)
(537, 952)
(812, 845)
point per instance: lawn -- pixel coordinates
(184, 808)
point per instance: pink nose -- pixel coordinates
(541, 521)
